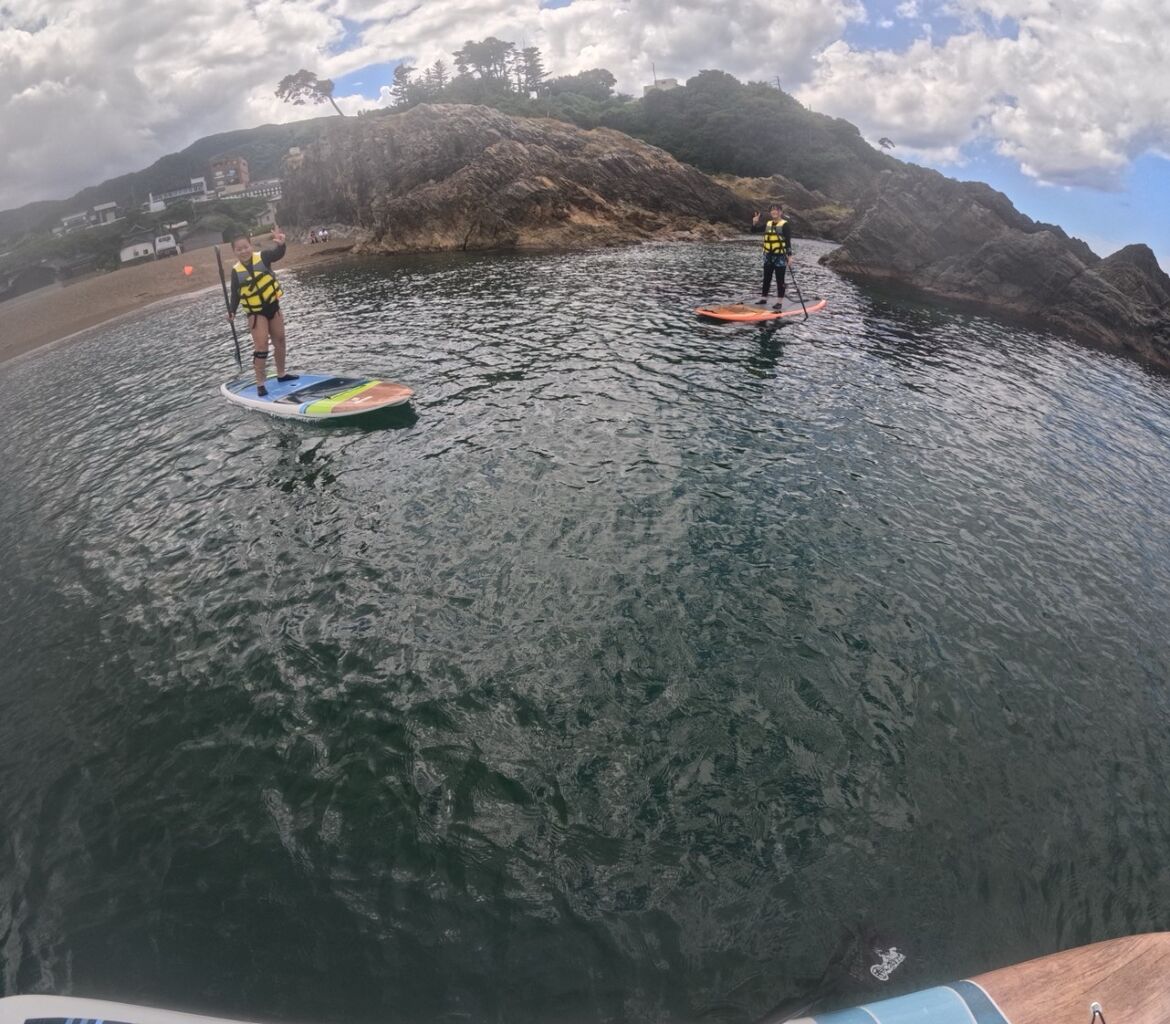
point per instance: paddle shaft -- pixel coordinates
(228, 303)
(792, 272)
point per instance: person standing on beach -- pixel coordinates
(777, 251)
(255, 285)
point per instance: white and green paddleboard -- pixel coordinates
(318, 396)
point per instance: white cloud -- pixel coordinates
(907, 9)
(680, 37)
(1078, 94)
(99, 87)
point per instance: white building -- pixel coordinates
(270, 188)
(136, 247)
(661, 85)
(196, 190)
(105, 213)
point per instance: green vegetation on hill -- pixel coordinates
(104, 243)
(714, 122)
(264, 148)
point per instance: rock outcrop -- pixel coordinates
(464, 177)
(813, 214)
(964, 241)
(448, 176)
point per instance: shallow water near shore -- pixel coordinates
(634, 665)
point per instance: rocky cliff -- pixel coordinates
(450, 176)
(464, 177)
(965, 241)
(812, 213)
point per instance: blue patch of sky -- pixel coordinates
(1107, 221)
(350, 37)
(886, 29)
(367, 81)
(555, 3)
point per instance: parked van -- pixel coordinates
(165, 245)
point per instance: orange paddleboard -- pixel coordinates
(741, 312)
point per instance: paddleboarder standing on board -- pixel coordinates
(777, 251)
(255, 285)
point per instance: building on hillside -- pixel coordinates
(270, 188)
(660, 85)
(196, 189)
(75, 221)
(207, 195)
(137, 246)
(227, 171)
(105, 213)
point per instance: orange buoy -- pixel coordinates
(188, 270)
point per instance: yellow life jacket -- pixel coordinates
(773, 240)
(258, 287)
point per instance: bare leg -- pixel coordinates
(259, 329)
(276, 333)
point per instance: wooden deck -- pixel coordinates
(1129, 977)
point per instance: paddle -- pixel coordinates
(792, 274)
(228, 303)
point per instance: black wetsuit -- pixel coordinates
(775, 262)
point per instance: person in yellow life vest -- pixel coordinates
(777, 251)
(254, 285)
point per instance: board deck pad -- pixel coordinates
(1129, 978)
(318, 396)
(749, 312)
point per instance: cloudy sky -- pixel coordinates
(1062, 104)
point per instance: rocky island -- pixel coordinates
(454, 176)
(690, 163)
(965, 242)
(457, 176)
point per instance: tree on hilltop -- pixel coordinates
(438, 76)
(532, 73)
(403, 90)
(305, 87)
(595, 84)
(488, 59)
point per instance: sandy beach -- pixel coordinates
(40, 318)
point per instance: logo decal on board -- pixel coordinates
(891, 958)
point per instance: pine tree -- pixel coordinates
(403, 89)
(533, 72)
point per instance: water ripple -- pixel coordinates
(617, 679)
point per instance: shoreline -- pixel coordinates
(53, 316)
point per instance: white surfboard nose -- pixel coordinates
(62, 1009)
